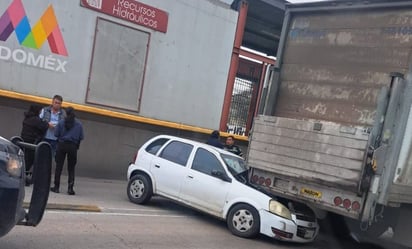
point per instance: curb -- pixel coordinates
(69, 207)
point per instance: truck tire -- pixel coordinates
(345, 228)
(385, 217)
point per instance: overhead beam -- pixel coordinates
(258, 57)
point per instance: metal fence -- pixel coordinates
(240, 106)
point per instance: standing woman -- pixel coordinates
(69, 133)
(33, 132)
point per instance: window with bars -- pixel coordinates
(239, 106)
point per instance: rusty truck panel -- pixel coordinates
(320, 152)
(334, 65)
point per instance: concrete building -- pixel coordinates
(131, 69)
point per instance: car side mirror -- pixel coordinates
(221, 175)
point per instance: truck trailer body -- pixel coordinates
(336, 126)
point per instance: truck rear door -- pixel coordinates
(333, 61)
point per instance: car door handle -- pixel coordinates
(191, 177)
(157, 166)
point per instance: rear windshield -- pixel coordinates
(154, 147)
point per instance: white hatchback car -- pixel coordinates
(214, 181)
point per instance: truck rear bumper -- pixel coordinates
(315, 195)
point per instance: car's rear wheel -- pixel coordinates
(243, 220)
(139, 189)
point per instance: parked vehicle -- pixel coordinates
(336, 130)
(12, 182)
(214, 181)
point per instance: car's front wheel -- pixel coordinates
(243, 220)
(139, 189)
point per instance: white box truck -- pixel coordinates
(336, 126)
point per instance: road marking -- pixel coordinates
(116, 214)
(72, 207)
(133, 209)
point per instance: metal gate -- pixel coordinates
(244, 97)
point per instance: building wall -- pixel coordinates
(109, 144)
(185, 70)
(184, 76)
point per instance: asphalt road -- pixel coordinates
(100, 216)
(150, 227)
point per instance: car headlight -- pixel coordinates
(14, 166)
(279, 209)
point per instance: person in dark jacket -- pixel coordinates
(230, 146)
(33, 131)
(69, 134)
(214, 139)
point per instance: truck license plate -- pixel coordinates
(311, 192)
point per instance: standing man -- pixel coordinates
(69, 133)
(53, 114)
(230, 146)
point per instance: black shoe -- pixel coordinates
(28, 182)
(55, 189)
(71, 192)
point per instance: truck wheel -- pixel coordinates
(243, 220)
(346, 228)
(388, 218)
(139, 189)
(373, 232)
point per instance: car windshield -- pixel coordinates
(235, 164)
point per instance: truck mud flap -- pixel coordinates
(41, 183)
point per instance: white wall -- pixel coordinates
(186, 70)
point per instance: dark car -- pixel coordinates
(12, 183)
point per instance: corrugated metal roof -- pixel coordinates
(263, 25)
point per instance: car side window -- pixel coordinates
(206, 162)
(154, 147)
(177, 152)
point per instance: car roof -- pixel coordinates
(197, 143)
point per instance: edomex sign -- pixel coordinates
(46, 30)
(132, 11)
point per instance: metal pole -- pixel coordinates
(241, 23)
